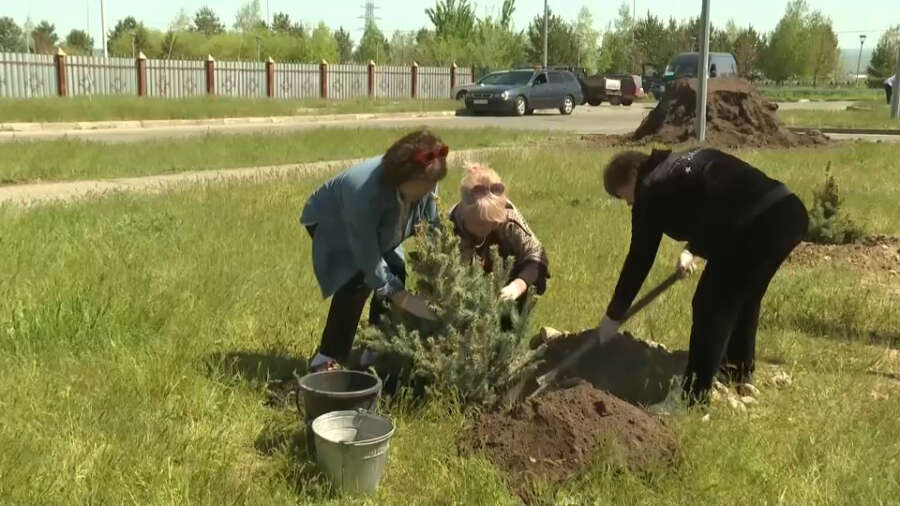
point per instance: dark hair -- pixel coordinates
(399, 166)
(621, 169)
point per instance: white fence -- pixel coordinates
(27, 76)
(176, 78)
(86, 75)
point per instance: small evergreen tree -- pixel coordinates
(827, 224)
(465, 353)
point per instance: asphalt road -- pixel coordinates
(604, 119)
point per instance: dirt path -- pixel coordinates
(64, 191)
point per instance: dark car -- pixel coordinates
(617, 89)
(522, 91)
(688, 64)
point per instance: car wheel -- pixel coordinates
(595, 102)
(521, 106)
(461, 95)
(615, 100)
(627, 102)
(567, 106)
(529, 111)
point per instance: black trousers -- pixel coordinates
(887, 92)
(346, 310)
(727, 302)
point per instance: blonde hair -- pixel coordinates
(484, 210)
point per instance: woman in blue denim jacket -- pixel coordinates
(357, 221)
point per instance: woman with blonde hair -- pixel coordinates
(485, 217)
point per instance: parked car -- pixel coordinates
(617, 89)
(523, 91)
(687, 65)
(459, 92)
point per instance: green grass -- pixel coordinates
(822, 94)
(119, 319)
(862, 115)
(147, 108)
(69, 159)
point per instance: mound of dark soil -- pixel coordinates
(640, 372)
(737, 116)
(877, 255)
(559, 434)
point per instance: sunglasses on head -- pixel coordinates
(482, 190)
(426, 157)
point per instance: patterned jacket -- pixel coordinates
(513, 239)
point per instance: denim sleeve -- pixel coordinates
(431, 211)
(362, 226)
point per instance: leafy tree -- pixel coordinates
(786, 53)
(207, 22)
(495, 46)
(823, 53)
(506, 13)
(653, 45)
(249, 17)
(747, 47)
(322, 45)
(587, 40)
(452, 18)
(126, 25)
(139, 40)
(404, 49)
(79, 42)
(281, 22)
(884, 58)
(562, 47)
(344, 45)
(45, 38)
(373, 46)
(12, 38)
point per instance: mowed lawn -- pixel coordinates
(71, 159)
(117, 108)
(137, 332)
(862, 115)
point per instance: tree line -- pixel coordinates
(802, 46)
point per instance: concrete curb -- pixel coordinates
(29, 194)
(850, 131)
(169, 123)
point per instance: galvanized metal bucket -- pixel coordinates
(352, 449)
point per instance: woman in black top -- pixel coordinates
(742, 222)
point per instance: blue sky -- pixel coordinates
(848, 16)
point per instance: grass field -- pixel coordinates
(859, 116)
(137, 331)
(135, 108)
(69, 159)
(788, 94)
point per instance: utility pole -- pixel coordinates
(703, 72)
(103, 30)
(895, 90)
(862, 40)
(546, 10)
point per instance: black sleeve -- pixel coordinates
(645, 239)
(533, 273)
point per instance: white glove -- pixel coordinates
(414, 305)
(513, 290)
(608, 327)
(686, 264)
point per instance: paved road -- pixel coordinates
(604, 119)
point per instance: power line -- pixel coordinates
(369, 15)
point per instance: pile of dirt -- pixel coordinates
(559, 434)
(638, 371)
(737, 116)
(877, 254)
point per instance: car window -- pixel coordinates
(683, 66)
(541, 79)
(556, 78)
(516, 78)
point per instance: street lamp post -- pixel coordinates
(862, 40)
(703, 72)
(103, 29)
(546, 9)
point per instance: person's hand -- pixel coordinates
(417, 306)
(686, 264)
(608, 327)
(513, 290)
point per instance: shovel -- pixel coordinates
(546, 380)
